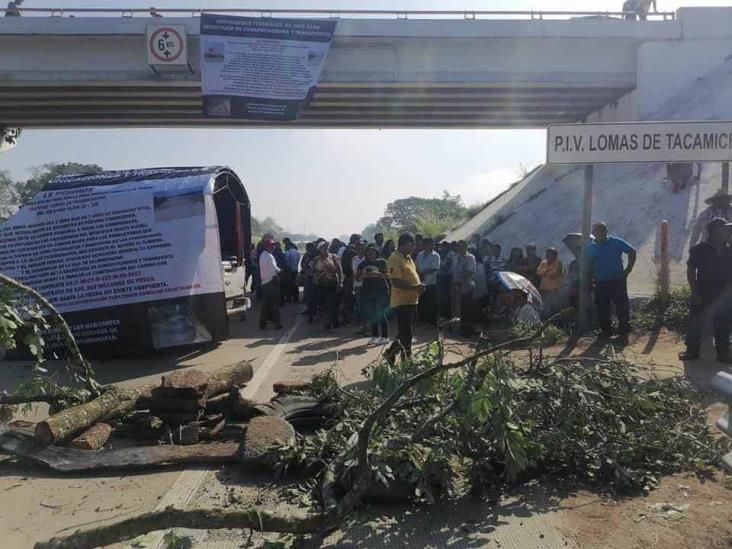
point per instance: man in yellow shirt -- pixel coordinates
(405, 291)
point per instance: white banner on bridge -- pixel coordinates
(640, 142)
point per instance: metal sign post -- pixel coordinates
(589, 144)
(584, 294)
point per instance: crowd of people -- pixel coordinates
(419, 279)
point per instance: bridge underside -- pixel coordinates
(334, 105)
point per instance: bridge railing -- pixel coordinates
(357, 13)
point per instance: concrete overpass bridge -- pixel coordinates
(429, 69)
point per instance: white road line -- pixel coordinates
(263, 371)
(188, 482)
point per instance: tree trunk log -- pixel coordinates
(73, 460)
(79, 418)
(255, 518)
(117, 400)
(226, 378)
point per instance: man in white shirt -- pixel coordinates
(269, 275)
(463, 278)
(358, 258)
(428, 263)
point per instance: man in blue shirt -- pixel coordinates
(605, 257)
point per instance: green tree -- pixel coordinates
(423, 215)
(370, 230)
(8, 196)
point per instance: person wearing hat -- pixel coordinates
(719, 205)
(269, 275)
(708, 271)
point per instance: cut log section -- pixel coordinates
(93, 438)
(117, 400)
(184, 384)
(73, 420)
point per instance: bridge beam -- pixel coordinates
(393, 73)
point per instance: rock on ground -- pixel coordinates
(263, 433)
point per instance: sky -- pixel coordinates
(329, 182)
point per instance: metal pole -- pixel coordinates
(584, 295)
(664, 270)
(725, 177)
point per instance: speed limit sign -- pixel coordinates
(166, 45)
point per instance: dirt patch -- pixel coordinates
(597, 522)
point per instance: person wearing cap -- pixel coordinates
(605, 258)
(269, 275)
(405, 291)
(708, 271)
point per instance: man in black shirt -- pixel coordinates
(347, 300)
(708, 271)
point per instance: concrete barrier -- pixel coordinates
(722, 384)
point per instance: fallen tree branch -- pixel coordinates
(363, 478)
(203, 519)
(427, 426)
(11, 399)
(85, 371)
